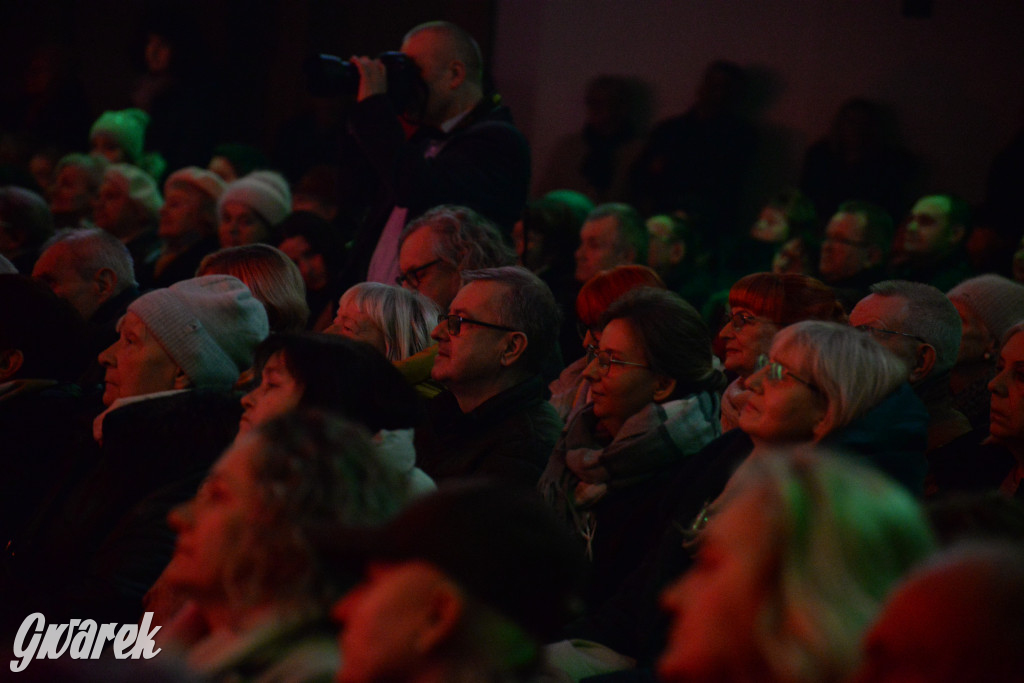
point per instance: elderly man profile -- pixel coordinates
(93, 550)
(922, 328)
(463, 148)
(493, 420)
(613, 235)
(857, 242)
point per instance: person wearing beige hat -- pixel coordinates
(251, 207)
(188, 226)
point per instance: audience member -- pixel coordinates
(933, 242)
(654, 401)
(546, 237)
(271, 277)
(918, 324)
(786, 216)
(76, 185)
(957, 618)
(493, 420)
(760, 305)
(232, 161)
(855, 250)
(796, 560)
(120, 137)
(988, 306)
(313, 244)
(675, 253)
(257, 596)
(251, 207)
(25, 223)
(465, 585)
(188, 226)
(128, 207)
(613, 235)
(463, 150)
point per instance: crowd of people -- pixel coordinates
(453, 432)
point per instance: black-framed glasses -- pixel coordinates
(741, 319)
(882, 333)
(455, 322)
(414, 275)
(605, 360)
(777, 371)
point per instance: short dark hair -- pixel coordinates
(632, 232)
(465, 46)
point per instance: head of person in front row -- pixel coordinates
(464, 585)
(195, 334)
(796, 559)
(957, 618)
(244, 557)
(395, 321)
(437, 247)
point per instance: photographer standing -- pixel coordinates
(456, 146)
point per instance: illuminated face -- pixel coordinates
(56, 267)
(136, 364)
(104, 145)
(844, 253)
(599, 248)
(182, 214)
(474, 355)
(625, 389)
(715, 606)
(785, 409)
(240, 225)
(114, 211)
(928, 229)
(71, 193)
(382, 619)
(425, 273)
(771, 226)
(215, 527)
(353, 323)
(1006, 419)
(747, 336)
(311, 264)
(278, 393)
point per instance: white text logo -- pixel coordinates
(81, 639)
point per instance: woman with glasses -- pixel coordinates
(571, 391)
(760, 305)
(653, 402)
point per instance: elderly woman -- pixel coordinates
(760, 305)
(251, 207)
(795, 563)
(308, 370)
(654, 401)
(257, 598)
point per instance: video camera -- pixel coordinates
(331, 76)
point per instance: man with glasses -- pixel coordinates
(855, 249)
(921, 327)
(493, 420)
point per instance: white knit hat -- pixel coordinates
(209, 326)
(264, 192)
(138, 184)
(996, 300)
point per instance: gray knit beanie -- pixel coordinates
(996, 300)
(264, 192)
(208, 325)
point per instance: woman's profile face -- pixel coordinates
(621, 391)
(1006, 418)
(214, 527)
(277, 393)
(747, 336)
(783, 407)
(716, 604)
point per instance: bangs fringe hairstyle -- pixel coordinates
(601, 291)
(786, 298)
(405, 317)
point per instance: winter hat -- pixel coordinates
(209, 326)
(264, 192)
(127, 127)
(996, 300)
(200, 178)
(93, 166)
(141, 188)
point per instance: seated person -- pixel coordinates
(78, 180)
(797, 557)
(251, 207)
(313, 244)
(128, 207)
(25, 224)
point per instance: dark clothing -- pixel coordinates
(483, 163)
(144, 250)
(183, 267)
(101, 539)
(968, 464)
(944, 274)
(509, 436)
(852, 289)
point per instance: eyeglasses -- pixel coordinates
(882, 332)
(777, 372)
(741, 319)
(455, 323)
(605, 360)
(414, 275)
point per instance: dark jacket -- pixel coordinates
(509, 436)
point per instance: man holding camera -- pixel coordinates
(460, 147)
